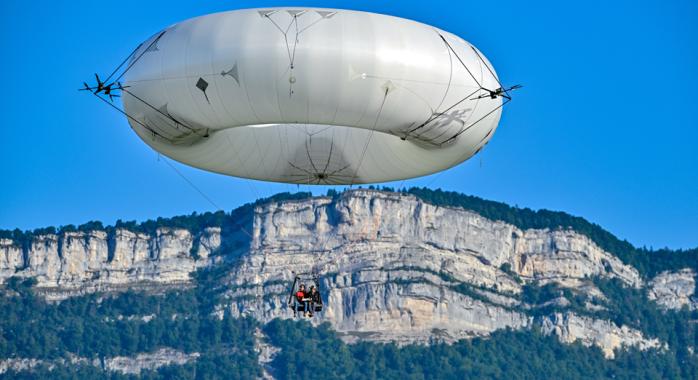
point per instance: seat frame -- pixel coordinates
(298, 307)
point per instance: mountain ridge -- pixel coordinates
(647, 261)
(394, 268)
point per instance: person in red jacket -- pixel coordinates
(303, 298)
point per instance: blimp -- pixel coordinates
(310, 96)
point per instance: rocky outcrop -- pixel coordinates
(392, 267)
(122, 364)
(11, 258)
(569, 328)
(454, 241)
(148, 361)
(19, 364)
(396, 268)
(674, 290)
(265, 353)
(77, 262)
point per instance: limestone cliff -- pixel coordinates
(122, 364)
(77, 262)
(674, 290)
(392, 268)
(570, 328)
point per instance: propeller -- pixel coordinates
(101, 87)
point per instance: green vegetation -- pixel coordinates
(88, 326)
(626, 306)
(317, 353)
(99, 326)
(209, 366)
(96, 326)
(630, 307)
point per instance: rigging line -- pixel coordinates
(436, 115)
(332, 173)
(477, 102)
(122, 62)
(275, 24)
(288, 49)
(450, 78)
(191, 183)
(159, 111)
(242, 228)
(156, 126)
(398, 79)
(432, 139)
(460, 60)
(300, 176)
(166, 161)
(289, 26)
(477, 121)
(329, 156)
(303, 175)
(242, 165)
(490, 70)
(133, 118)
(329, 175)
(140, 55)
(313, 23)
(433, 117)
(368, 141)
(295, 41)
(435, 178)
(307, 152)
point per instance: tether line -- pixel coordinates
(368, 141)
(198, 190)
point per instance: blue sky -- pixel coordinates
(605, 128)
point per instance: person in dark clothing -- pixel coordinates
(315, 299)
(302, 297)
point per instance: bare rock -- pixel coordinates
(674, 290)
(569, 328)
(148, 361)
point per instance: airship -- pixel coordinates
(311, 96)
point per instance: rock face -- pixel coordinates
(395, 267)
(148, 361)
(123, 364)
(569, 328)
(18, 365)
(674, 290)
(266, 353)
(392, 268)
(76, 262)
